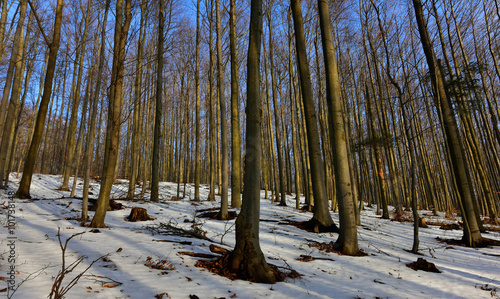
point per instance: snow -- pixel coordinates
(466, 272)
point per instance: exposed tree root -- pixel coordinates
(222, 265)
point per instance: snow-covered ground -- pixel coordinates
(466, 272)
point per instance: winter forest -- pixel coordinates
(336, 123)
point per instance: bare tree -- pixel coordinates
(123, 19)
(155, 165)
(29, 164)
(348, 238)
(322, 220)
(247, 257)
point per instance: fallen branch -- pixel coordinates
(170, 229)
(59, 291)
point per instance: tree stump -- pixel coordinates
(422, 223)
(138, 214)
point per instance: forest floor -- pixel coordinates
(150, 259)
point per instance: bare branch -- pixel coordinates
(39, 23)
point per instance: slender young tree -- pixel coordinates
(277, 122)
(247, 257)
(211, 105)
(235, 114)
(89, 146)
(197, 116)
(29, 162)
(123, 18)
(71, 140)
(135, 147)
(223, 214)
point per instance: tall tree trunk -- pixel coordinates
(155, 166)
(211, 106)
(247, 257)
(14, 112)
(89, 146)
(70, 146)
(30, 61)
(3, 23)
(197, 116)
(322, 220)
(223, 214)
(136, 124)
(348, 238)
(79, 143)
(293, 92)
(16, 48)
(29, 164)
(235, 114)
(277, 121)
(114, 110)
(472, 236)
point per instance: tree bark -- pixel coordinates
(16, 48)
(114, 111)
(277, 122)
(348, 238)
(70, 147)
(472, 236)
(89, 146)
(197, 116)
(321, 217)
(247, 257)
(7, 141)
(235, 114)
(29, 164)
(223, 214)
(155, 165)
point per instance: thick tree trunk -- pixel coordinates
(472, 236)
(321, 217)
(348, 238)
(3, 23)
(247, 257)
